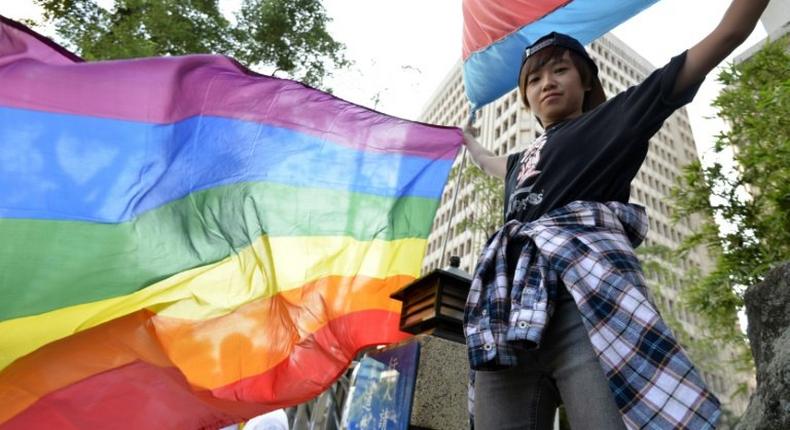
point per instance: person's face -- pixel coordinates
(555, 91)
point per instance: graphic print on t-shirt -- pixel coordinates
(529, 162)
(527, 172)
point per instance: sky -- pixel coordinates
(402, 50)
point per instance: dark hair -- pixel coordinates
(539, 59)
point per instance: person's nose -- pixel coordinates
(549, 83)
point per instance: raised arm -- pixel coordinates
(490, 163)
(738, 22)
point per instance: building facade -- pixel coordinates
(776, 18)
(776, 21)
(507, 127)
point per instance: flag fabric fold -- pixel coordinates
(187, 244)
(496, 33)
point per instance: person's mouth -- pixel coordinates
(550, 96)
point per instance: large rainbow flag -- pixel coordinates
(186, 244)
(496, 33)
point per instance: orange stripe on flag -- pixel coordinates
(208, 351)
(213, 353)
(139, 395)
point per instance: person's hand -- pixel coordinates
(494, 165)
(470, 134)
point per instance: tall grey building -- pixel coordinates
(776, 18)
(507, 127)
(776, 21)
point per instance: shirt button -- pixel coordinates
(488, 347)
(485, 312)
(522, 324)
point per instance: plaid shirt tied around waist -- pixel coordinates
(588, 246)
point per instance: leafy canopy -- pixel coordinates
(754, 198)
(289, 35)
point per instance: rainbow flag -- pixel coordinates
(186, 244)
(496, 33)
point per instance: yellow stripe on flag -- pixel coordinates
(267, 267)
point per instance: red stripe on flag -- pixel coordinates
(135, 396)
(486, 21)
(142, 395)
(317, 361)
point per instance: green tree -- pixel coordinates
(754, 198)
(487, 197)
(289, 35)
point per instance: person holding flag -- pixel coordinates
(559, 312)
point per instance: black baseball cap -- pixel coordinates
(596, 95)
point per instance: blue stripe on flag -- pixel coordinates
(492, 72)
(69, 167)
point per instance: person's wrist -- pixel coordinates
(472, 131)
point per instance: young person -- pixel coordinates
(558, 311)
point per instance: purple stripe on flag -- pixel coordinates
(165, 90)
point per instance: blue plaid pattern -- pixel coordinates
(588, 246)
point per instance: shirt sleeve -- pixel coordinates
(512, 159)
(646, 106)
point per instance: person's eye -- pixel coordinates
(560, 70)
(533, 79)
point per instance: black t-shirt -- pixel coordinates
(594, 156)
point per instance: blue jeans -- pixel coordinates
(564, 370)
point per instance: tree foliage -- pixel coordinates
(754, 198)
(288, 35)
(487, 196)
